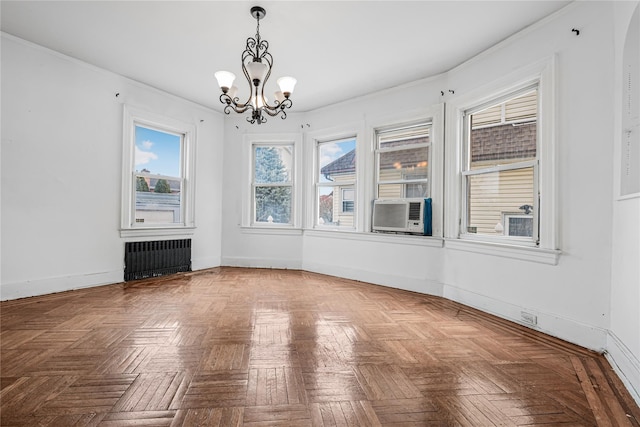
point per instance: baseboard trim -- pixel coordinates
(204, 263)
(625, 364)
(261, 263)
(32, 288)
(413, 284)
(570, 330)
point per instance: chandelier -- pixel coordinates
(256, 66)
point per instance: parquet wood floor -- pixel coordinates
(252, 347)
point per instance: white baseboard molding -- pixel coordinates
(414, 284)
(570, 330)
(277, 263)
(204, 263)
(625, 364)
(31, 288)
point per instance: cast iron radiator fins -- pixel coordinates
(156, 258)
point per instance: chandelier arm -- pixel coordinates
(276, 113)
(232, 104)
(247, 54)
(266, 57)
(279, 106)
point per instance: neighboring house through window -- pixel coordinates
(335, 182)
(501, 167)
(402, 161)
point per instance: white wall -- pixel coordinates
(585, 298)
(624, 335)
(243, 247)
(572, 298)
(61, 171)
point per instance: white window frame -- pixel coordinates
(379, 150)
(348, 183)
(129, 227)
(467, 173)
(290, 183)
(542, 73)
(435, 116)
(248, 223)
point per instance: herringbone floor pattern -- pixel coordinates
(230, 347)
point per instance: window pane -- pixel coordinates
(332, 210)
(416, 190)
(495, 140)
(157, 152)
(397, 165)
(325, 205)
(405, 162)
(273, 204)
(336, 205)
(337, 160)
(412, 136)
(492, 196)
(158, 200)
(401, 191)
(272, 164)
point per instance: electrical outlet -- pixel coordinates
(529, 318)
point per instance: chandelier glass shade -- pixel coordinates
(256, 67)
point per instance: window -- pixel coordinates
(500, 168)
(335, 182)
(158, 173)
(157, 176)
(518, 225)
(347, 200)
(272, 183)
(501, 163)
(402, 162)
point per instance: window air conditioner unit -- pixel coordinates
(402, 215)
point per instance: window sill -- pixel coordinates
(523, 253)
(404, 239)
(156, 231)
(282, 230)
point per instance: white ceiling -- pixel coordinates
(336, 49)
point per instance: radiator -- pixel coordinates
(156, 258)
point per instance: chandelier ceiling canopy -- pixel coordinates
(257, 63)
